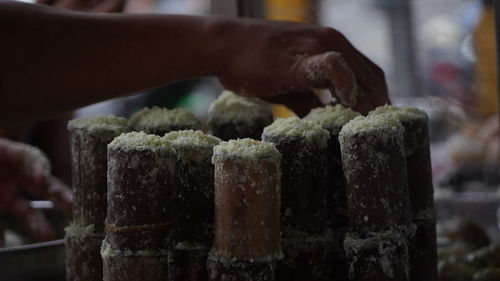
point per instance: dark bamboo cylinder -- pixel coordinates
(144, 268)
(247, 217)
(423, 249)
(159, 121)
(188, 262)
(195, 189)
(379, 256)
(235, 117)
(89, 138)
(83, 258)
(332, 119)
(417, 153)
(139, 220)
(194, 193)
(303, 146)
(309, 258)
(305, 238)
(375, 172)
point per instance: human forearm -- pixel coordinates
(56, 60)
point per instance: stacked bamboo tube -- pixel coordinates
(233, 117)
(306, 239)
(89, 138)
(194, 194)
(247, 211)
(377, 196)
(172, 198)
(332, 119)
(140, 217)
(423, 251)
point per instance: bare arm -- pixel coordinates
(55, 60)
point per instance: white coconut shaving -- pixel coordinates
(227, 258)
(191, 138)
(139, 141)
(294, 127)
(79, 232)
(107, 251)
(388, 244)
(192, 145)
(401, 113)
(187, 246)
(331, 118)
(377, 122)
(229, 107)
(158, 117)
(246, 150)
(383, 127)
(100, 124)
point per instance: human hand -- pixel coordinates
(97, 6)
(283, 62)
(23, 167)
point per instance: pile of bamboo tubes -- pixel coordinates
(333, 196)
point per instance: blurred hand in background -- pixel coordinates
(25, 169)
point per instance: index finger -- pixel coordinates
(329, 70)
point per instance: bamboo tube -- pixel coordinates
(375, 172)
(188, 262)
(377, 198)
(83, 259)
(193, 230)
(378, 256)
(309, 258)
(423, 249)
(417, 153)
(159, 121)
(304, 147)
(139, 218)
(247, 217)
(231, 117)
(332, 119)
(306, 239)
(89, 138)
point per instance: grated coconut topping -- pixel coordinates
(246, 149)
(100, 124)
(192, 145)
(191, 138)
(152, 118)
(332, 118)
(79, 232)
(296, 128)
(229, 107)
(401, 113)
(140, 140)
(382, 123)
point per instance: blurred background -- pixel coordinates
(438, 55)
